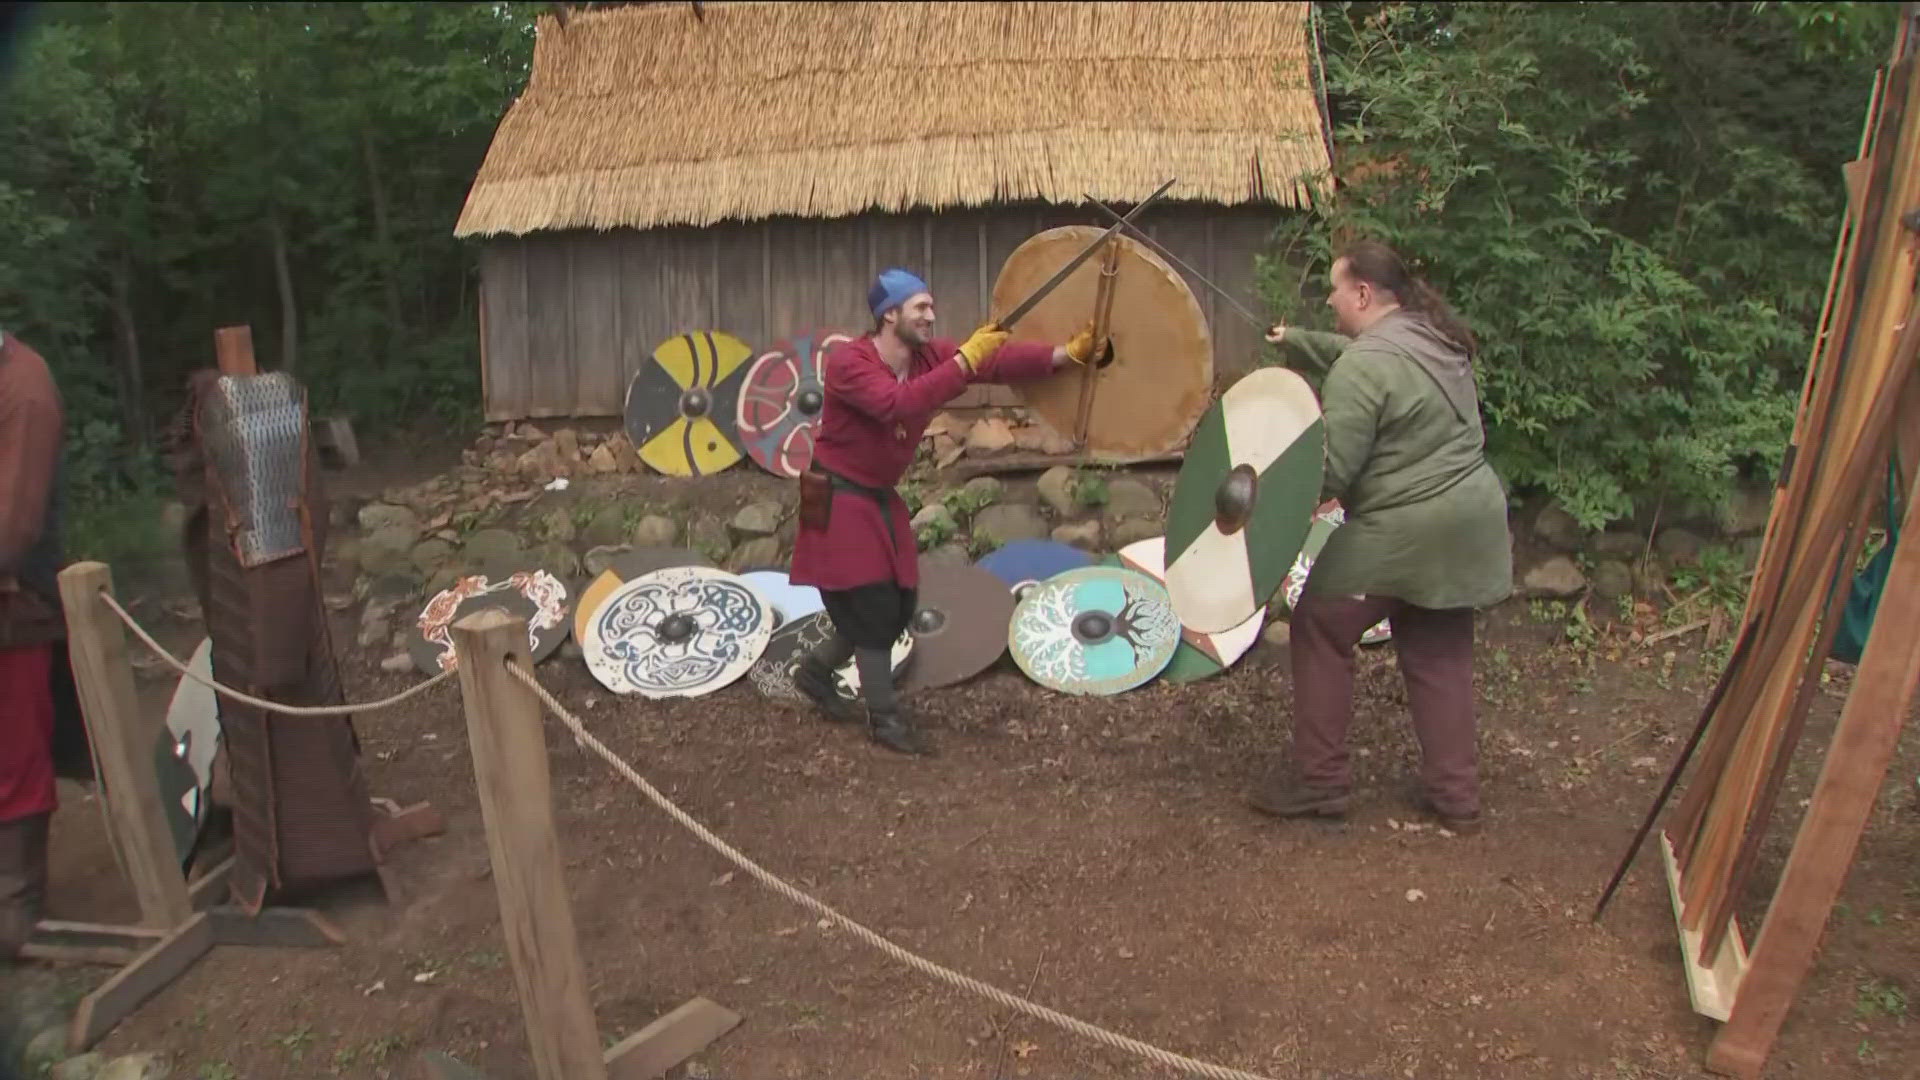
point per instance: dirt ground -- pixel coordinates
(1092, 854)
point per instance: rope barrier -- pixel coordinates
(911, 959)
(261, 703)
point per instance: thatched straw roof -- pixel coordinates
(647, 115)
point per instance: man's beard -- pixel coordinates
(910, 334)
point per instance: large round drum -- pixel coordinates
(1146, 400)
(780, 402)
(681, 403)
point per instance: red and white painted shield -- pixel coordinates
(780, 402)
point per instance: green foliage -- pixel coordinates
(1090, 488)
(1633, 205)
(165, 162)
(964, 502)
(1877, 997)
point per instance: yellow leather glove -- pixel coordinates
(1079, 347)
(980, 348)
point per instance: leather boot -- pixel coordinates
(894, 729)
(23, 880)
(813, 678)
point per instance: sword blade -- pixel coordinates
(1181, 263)
(1020, 310)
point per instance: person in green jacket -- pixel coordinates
(1424, 544)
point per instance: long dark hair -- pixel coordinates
(1382, 267)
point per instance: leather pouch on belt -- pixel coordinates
(816, 500)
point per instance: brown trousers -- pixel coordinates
(1435, 650)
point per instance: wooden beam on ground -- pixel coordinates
(1711, 988)
(394, 825)
(97, 647)
(1021, 463)
(516, 802)
(670, 1040)
(210, 889)
(274, 928)
(58, 942)
(1850, 780)
(233, 350)
(130, 987)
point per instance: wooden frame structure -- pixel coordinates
(507, 737)
(1866, 361)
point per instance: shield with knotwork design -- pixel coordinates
(679, 632)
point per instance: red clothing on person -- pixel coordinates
(26, 733)
(870, 426)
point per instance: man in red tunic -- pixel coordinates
(30, 624)
(855, 543)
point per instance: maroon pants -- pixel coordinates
(26, 733)
(1435, 649)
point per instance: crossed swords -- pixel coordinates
(1103, 295)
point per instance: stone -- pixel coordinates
(946, 449)
(1130, 498)
(529, 432)
(709, 537)
(989, 436)
(951, 553)
(377, 516)
(566, 443)
(656, 530)
(430, 555)
(81, 1067)
(759, 553)
(1278, 634)
(1618, 545)
(397, 663)
(983, 491)
(344, 552)
(1056, 488)
(149, 1065)
(442, 580)
(1132, 531)
(374, 634)
(599, 560)
(936, 520)
(388, 550)
(557, 524)
(1008, 522)
(607, 526)
(46, 1049)
(1612, 580)
(1084, 535)
(603, 460)
(1678, 546)
(1747, 510)
(1648, 578)
(624, 454)
(558, 560)
(540, 463)
(1557, 577)
(1748, 548)
(1557, 528)
(756, 520)
(491, 546)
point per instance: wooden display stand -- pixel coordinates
(536, 919)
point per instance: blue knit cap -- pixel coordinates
(892, 288)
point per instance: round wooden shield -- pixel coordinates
(789, 602)
(681, 403)
(534, 595)
(1244, 499)
(1096, 630)
(623, 568)
(1020, 563)
(679, 632)
(1146, 398)
(1199, 655)
(960, 626)
(1330, 517)
(184, 751)
(772, 674)
(780, 401)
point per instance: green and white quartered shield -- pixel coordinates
(1244, 499)
(1200, 655)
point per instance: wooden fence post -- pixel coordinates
(97, 646)
(516, 802)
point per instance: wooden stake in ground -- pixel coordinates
(516, 802)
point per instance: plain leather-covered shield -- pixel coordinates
(1145, 398)
(1244, 499)
(1096, 630)
(681, 404)
(959, 625)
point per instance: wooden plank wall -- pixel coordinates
(569, 317)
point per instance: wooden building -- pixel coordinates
(751, 167)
